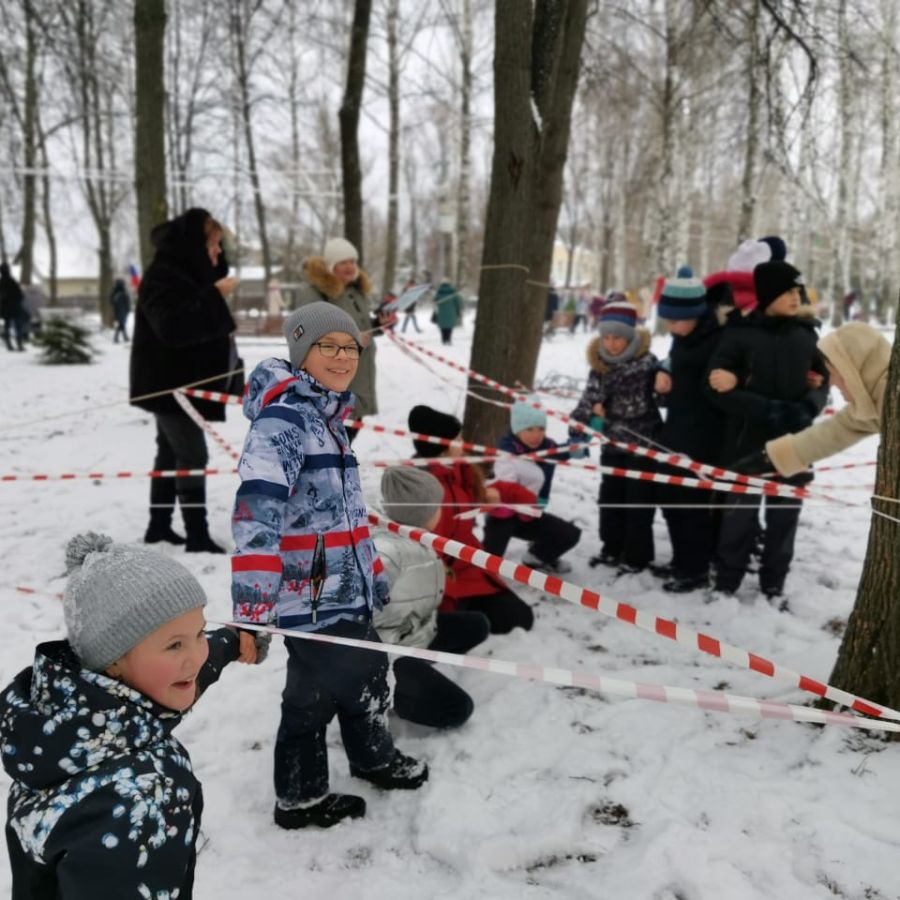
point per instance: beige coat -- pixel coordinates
(861, 355)
(323, 284)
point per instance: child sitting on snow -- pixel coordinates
(468, 587)
(304, 560)
(416, 575)
(619, 398)
(769, 378)
(103, 800)
(549, 536)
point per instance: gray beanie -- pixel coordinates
(402, 485)
(306, 325)
(117, 594)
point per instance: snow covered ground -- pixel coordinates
(546, 792)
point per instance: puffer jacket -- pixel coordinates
(303, 555)
(322, 284)
(626, 391)
(511, 444)
(103, 802)
(417, 579)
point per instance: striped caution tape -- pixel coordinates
(198, 419)
(704, 643)
(706, 700)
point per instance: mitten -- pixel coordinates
(263, 642)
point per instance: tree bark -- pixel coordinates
(29, 146)
(149, 142)
(464, 189)
(754, 115)
(348, 117)
(840, 269)
(536, 67)
(868, 662)
(390, 255)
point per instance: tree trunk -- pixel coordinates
(868, 662)
(348, 117)
(846, 111)
(890, 165)
(409, 171)
(464, 189)
(47, 208)
(390, 255)
(149, 145)
(29, 146)
(670, 109)
(536, 67)
(754, 115)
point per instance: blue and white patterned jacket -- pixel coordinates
(103, 802)
(304, 558)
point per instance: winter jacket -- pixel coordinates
(771, 357)
(511, 444)
(460, 489)
(694, 425)
(104, 802)
(416, 577)
(861, 356)
(182, 324)
(447, 308)
(11, 296)
(121, 302)
(303, 555)
(322, 284)
(626, 392)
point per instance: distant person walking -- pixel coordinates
(183, 334)
(12, 309)
(447, 310)
(120, 300)
(410, 312)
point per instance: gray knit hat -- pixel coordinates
(402, 485)
(306, 325)
(117, 594)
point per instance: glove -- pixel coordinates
(263, 642)
(784, 417)
(757, 463)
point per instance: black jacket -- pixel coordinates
(11, 296)
(182, 324)
(771, 357)
(694, 425)
(103, 801)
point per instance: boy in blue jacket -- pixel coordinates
(304, 560)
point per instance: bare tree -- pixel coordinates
(390, 256)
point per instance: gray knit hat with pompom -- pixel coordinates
(117, 594)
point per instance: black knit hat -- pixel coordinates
(772, 279)
(425, 420)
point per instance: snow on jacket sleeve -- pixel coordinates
(99, 854)
(592, 394)
(269, 467)
(224, 648)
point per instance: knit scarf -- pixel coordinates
(626, 355)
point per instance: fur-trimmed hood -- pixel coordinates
(317, 273)
(600, 367)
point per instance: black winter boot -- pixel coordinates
(198, 539)
(326, 812)
(401, 773)
(160, 528)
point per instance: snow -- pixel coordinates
(547, 791)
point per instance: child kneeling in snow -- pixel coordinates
(304, 560)
(416, 575)
(103, 801)
(549, 536)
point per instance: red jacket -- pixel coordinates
(463, 579)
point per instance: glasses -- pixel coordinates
(351, 351)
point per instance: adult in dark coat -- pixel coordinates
(694, 426)
(183, 334)
(121, 306)
(770, 379)
(11, 308)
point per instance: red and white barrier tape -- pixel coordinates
(846, 466)
(214, 396)
(708, 701)
(198, 419)
(96, 476)
(557, 587)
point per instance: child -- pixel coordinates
(761, 375)
(104, 802)
(549, 536)
(619, 397)
(468, 588)
(416, 575)
(304, 559)
(693, 426)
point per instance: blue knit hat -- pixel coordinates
(683, 297)
(523, 415)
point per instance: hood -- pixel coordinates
(738, 284)
(274, 377)
(861, 356)
(77, 718)
(317, 273)
(600, 367)
(182, 242)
